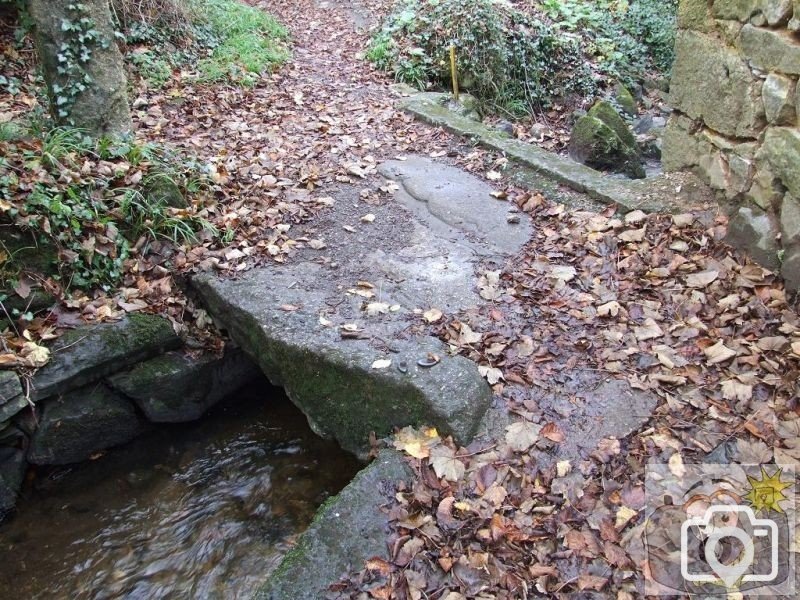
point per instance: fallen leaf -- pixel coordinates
(718, 353)
(445, 464)
(702, 279)
(432, 315)
(522, 435)
(553, 432)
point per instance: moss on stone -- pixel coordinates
(607, 114)
(626, 100)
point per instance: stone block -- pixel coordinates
(90, 353)
(781, 150)
(756, 233)
(740, 10)
(765, 190)
(712, 83)
(790, 269)
(794, 23)
(713, 169)
(790, 221)
(680, 147)
(771, 50)
(82, 422)
(176, 388)
(777, 12)
(778, 93)
(694, 14)
(740, 175)
(729, 30)
(12, 399)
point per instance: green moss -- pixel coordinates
(608, 115)
(626, 100)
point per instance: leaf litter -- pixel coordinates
(656, 300)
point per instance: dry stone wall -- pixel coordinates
(736, 98)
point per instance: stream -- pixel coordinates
(200, 510)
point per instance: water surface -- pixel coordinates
(201, 510)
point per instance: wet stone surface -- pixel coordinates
(318, 325)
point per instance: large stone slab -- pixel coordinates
(348, 530)
(340, 327)
(176, 387)
(444, 197)
(332, 379)
(76, 425)
(713, 83)
(89, 353)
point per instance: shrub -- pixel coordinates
(512, 61)
(625, 39)
(523, 56)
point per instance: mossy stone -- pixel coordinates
(602, 140)
(90, 353)
(626, 100)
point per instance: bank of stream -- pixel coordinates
(201, 510)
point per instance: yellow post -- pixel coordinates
(454, 71)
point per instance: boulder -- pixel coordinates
(602, 140)
(755, 232)
(771, 50)
(90, 353)
(12, 473)
(713, 83)
(175, 387)
(779, 99)
(87, 420)
(348, 530)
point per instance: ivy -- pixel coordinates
(81, 39)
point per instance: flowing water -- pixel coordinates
(202, 510)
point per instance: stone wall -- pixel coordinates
(103, 386)
(736, 98)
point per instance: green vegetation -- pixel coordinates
(90, 203)
(519, 58)
(214, 40)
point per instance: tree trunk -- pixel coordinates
(82, 65)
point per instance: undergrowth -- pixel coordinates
(90, 204)
(521, 57)
(211, 40)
